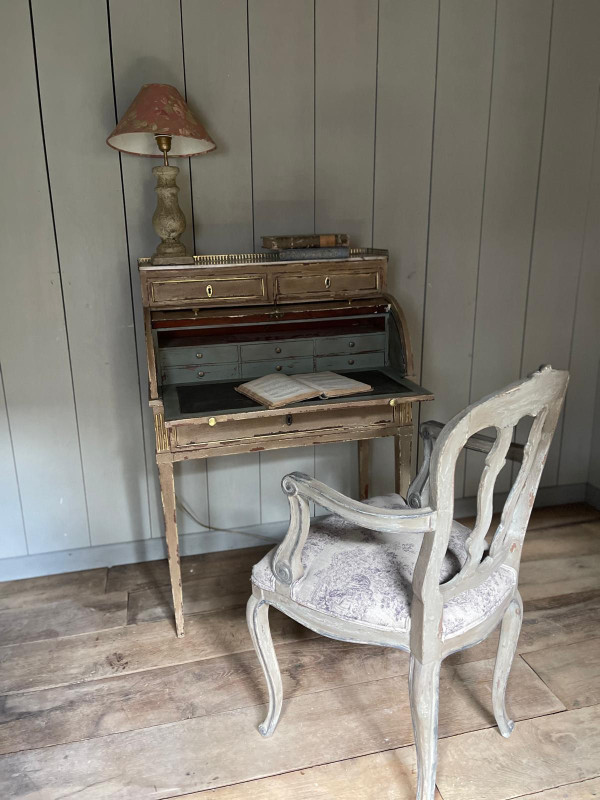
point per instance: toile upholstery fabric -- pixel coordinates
(358, 575)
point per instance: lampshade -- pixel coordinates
(159, 109)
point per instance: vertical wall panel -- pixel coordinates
(465, 56)
(33, 343)
(78, 112)
(577, 444)
(405, 105)
(282, 81)
(12, 532)
(216, 64)
(345, 107)
(514, 144)
(345, 91)
(155, 57)
(563, 192)
(594, 462)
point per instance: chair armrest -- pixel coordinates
(300, 488)
(418, 491)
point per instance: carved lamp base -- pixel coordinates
(168, 220)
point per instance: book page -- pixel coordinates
(276, 390)
(330, 384)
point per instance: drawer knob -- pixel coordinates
(351, 361)
(212, 422)
(200, 374)
(278, 349)
(209, 290)
(278, 367)
(350, 344)
(288, 419)
(198, 355)
(328, 283)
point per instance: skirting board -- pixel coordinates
(211, 541)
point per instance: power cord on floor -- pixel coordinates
(187, 510)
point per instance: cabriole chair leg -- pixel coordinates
(257, 615)
(424, 691)
(509, 635)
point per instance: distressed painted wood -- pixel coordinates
(563, 193)
(532, 759)
(540, 397)
(88, 211)
(167, 491)
(46, 456)
(514, 141)
(572, 673)
(167, 756)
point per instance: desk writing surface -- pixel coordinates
(187, 401)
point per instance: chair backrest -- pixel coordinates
(540, 396)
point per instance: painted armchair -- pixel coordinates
(382, 572)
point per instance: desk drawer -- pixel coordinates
(256, 369)
(206, 290)
(328, 283)
(365, 343)
(358, 361)
(197, 434)
(200, 374)
(213, 354)
(289, 348)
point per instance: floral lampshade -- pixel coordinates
(160, 109)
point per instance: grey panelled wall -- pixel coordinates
(460, 134)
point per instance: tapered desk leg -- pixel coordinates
(167, 491)
(402, 457)
(364, 468)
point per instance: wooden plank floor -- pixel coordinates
(99, 699)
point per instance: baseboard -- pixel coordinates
(108, 555)
(592, 495)
(212, 541)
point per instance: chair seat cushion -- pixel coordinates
(358, 575)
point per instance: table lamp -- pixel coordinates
(157, 123)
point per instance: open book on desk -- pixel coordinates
(275, 391)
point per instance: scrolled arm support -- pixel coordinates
(300, 488)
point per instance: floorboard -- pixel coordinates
(221, 749)
(542, 753)
(100, 701)
(573, 672)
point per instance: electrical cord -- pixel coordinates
(187, 510)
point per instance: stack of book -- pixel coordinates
(311, 247)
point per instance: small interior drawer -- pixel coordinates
(289, 366)
(365, 343)
(328, 283)
(188, 434)
(213, 354)
(199, 373)
(206, 291)
(289, 348)
(358, 361)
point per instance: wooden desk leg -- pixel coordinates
(402, 458)
(167, 491)
(364, 468)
